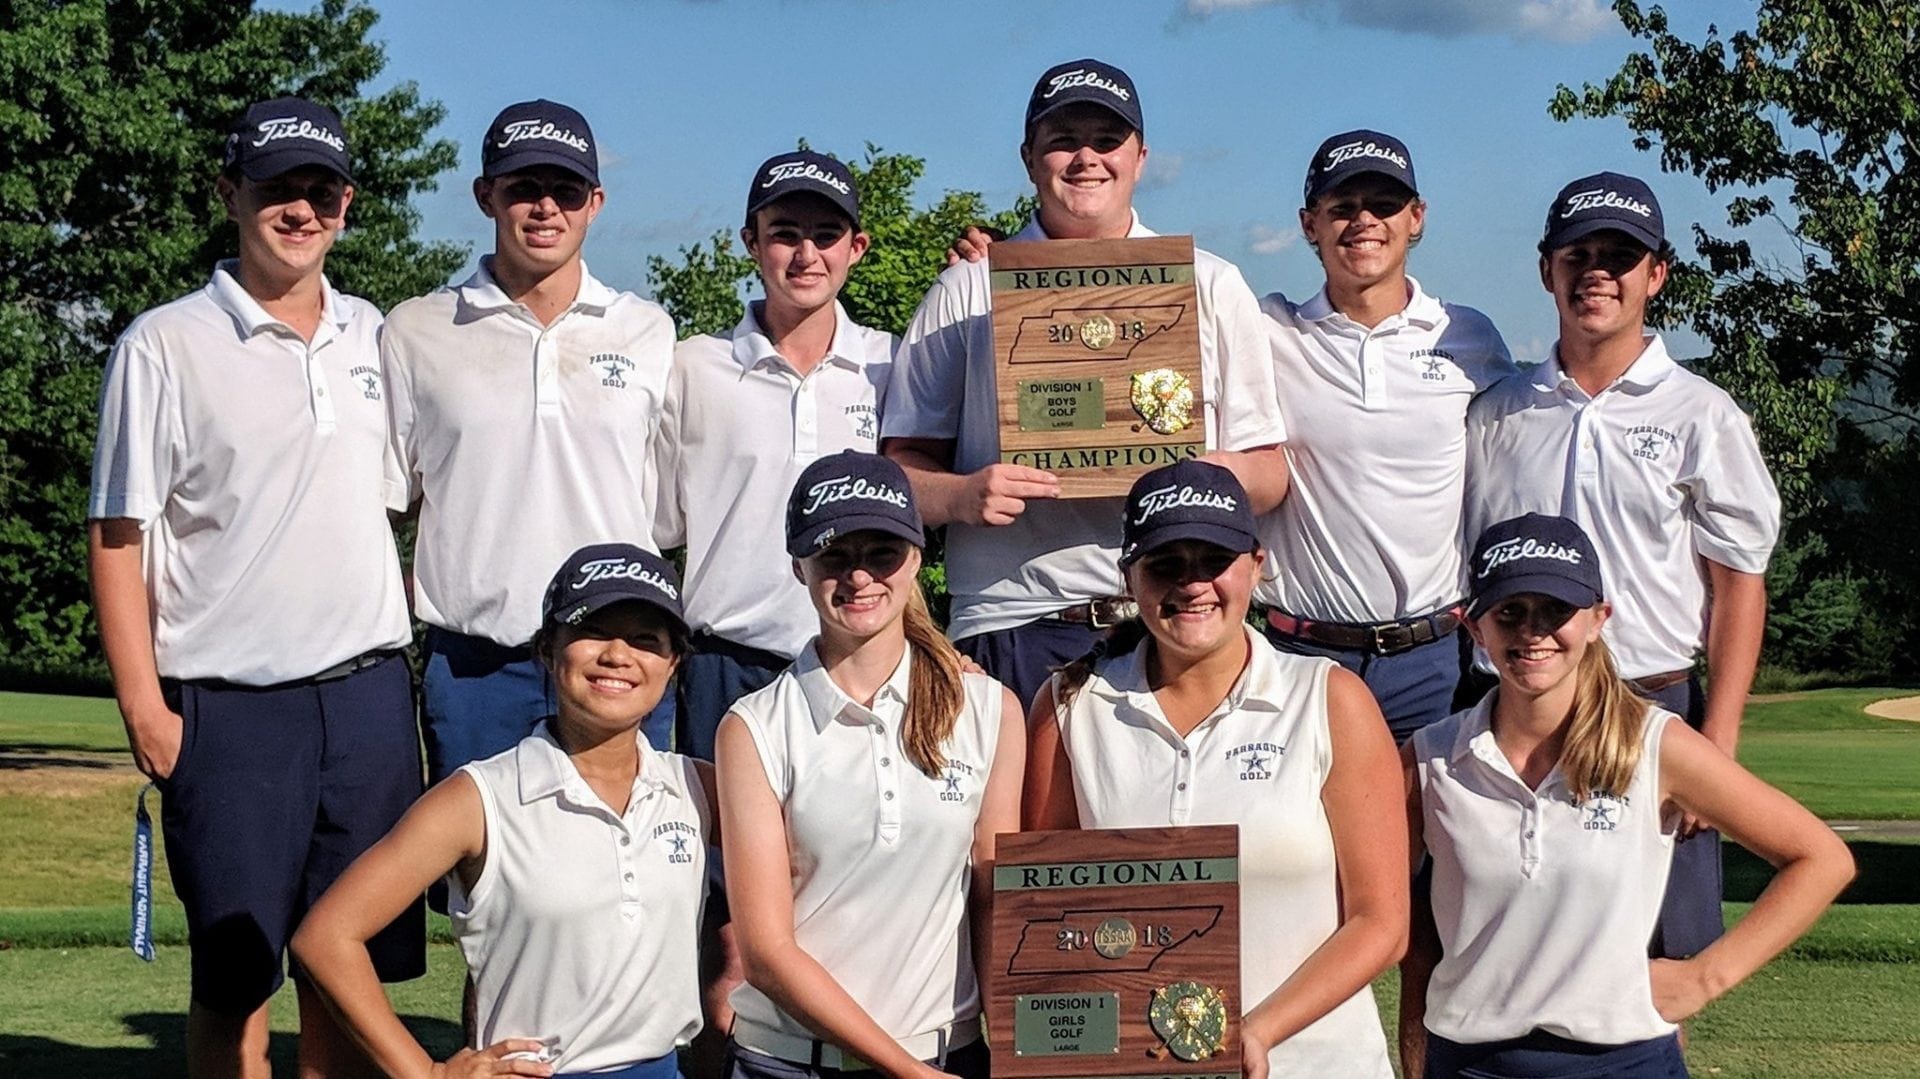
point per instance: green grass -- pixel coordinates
(42, 722)
(1838, 761)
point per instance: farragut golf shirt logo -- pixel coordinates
(803, 170)
(289, 127)
(368, 379)
(1350, 151)
(611, 569)
(679, 838)
(1647, 442)
(1524, 547)
(1080, 76)
(845, 488)
(1600, 198)
(616, 367)
(1256, 760)
(1433, 363)
(1170, 497)
(955, 780)
(1602, 812)
(864, 420)
(522, 130)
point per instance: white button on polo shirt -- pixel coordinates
(1661, 469)
(1544, 905)
(523, 442)
(738, 427)
(254, 462)
(880, 850)
(1062, 552)
(1259, 761)
(1376, 446)
(584, 923)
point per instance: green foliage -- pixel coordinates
(112, 113)
(1807, 123)
(706, 289)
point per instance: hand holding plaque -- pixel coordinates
(1097, 358)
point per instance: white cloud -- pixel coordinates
(1162, 171)
(1550, 20)
(1267, 240)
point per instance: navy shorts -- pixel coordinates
(1690, 916)
(713, 675)
(276, 791)
(1024, 657)
(1414, 687)
(1544, 1056)
(969, 1060)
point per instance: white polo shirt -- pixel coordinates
(881, 852)
(1661, 469)
(1377, 448)
(522, 442)
(1061, 552)
(584, 924)
(1544, 905)
(253, 461)
(1259, 761)
(738, 427)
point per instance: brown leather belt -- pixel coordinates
(1654, 683)
(1099, 613)
(1379, 638)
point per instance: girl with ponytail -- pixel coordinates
(1549, 810)
(865, 786)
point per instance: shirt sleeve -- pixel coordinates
(1241, 397)
(139, 434)
(928, 382)
(1488, 360)
(401, 486)
(669, 512)
(1732, 502)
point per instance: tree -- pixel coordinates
(705, 291)
(1810, 121)
(112, 113)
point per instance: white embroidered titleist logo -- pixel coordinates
(842, 488)
(522, 130)
(1363, 149)
(1524, 547)
(1080, 76)
(803, 170)
(1597, 199)
(1168, 497)
(613, 569)
(288, 127)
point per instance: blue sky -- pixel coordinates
(687, 97)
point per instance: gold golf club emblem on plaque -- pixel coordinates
(1190, 1018)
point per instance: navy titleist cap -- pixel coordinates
(1535, 553)
(850, 492)
(278, 136)
(1606, 200)
(540, 132)
(1190, 500)
(1354, 153)
(803, 171)
(1092, 81)
(607, 573)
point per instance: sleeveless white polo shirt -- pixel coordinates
(881, 852)
(1259, 761)
(1544, 905)
(583, 925)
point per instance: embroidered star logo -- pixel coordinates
(1650, 445)
(679, 844)
(372, 383)
(1601, 813)
(1433, 365)
(953, 781)
(1256, 763)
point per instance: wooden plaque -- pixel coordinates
(1097, 358)
(1116, 953)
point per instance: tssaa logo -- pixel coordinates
(1256, 761)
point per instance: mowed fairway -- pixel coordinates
(75, 1002)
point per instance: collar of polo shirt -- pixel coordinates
(752, 347)
(1422, 310)
(1648, 370)
(1126, 681)
(546, 770)
(827, 703)
(481, 292)
(247, 314)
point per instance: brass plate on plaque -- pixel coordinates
(1142, 921)
(1062, 404)
(1122, 314)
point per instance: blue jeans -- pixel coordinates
(482, 698)
(1544, 1056)
(1414, 687)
